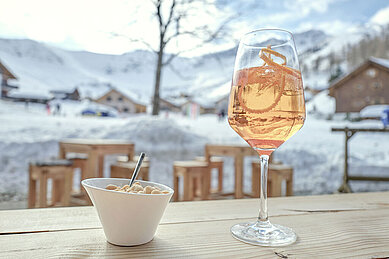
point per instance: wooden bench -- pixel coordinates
(277, 173)
(61, 173)
(124, 159)
(194, 174)
(215, 163)
(125, 170)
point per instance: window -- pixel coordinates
(377, 85)
(371, 72)
(120, 99)
(109, 98)
(125, 109)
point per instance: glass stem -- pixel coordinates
(263, 217)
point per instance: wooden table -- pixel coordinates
(349, 132)
(96, 149)
(238, 152)
(328, 226)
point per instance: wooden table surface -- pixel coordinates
(238, 152)
(328, 226)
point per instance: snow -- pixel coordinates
(30, 94)
(321, 104)
(380, 61)
(373, 111)
(316, 154)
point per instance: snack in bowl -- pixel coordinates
(129, 215)
(136, 188)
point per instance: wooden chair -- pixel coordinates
(61, 173)
(80, 163)
(215, 163)
(194, 173)
(124, 159)
(125, 170)
(277, 173)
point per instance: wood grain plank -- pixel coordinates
(346, 234)
(54, 219)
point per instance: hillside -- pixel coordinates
(41, 68)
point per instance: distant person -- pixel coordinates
(48, 108)
(221, 114)
(58, 109)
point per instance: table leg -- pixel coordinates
(31, 188)
(91, 165)
(188, 187)
(206, 184)
(239, 176)
(175, 184)
(57, 191)
(62, 153)
(42, 202)
(101, 166)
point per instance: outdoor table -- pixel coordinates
(96, 149)
(349, 132)
(328, 226)
(238, 152)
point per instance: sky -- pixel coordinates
(113, 26)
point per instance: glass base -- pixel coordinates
(263, 234)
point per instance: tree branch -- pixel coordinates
(148, 45)
(179, 74)
(172, 8)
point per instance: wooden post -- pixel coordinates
(205, 183)
(220, 178)
(238, 176)
(31, 188)
(175, 184)
(101, 165)
(67, 186)
(345, 187)
(42, 203)
(188, 186)
(255, 180)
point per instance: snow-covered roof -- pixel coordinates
(64, 91)
(177, 101)
(5, 70)
(380, 61)
(29, 95)
(137, 98)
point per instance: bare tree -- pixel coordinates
(171, 28)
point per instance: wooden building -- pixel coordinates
(121, 102)
(194, 108)
(222, 104)
(172, 103)
(5, 75)
(72, 94)
(366, 85)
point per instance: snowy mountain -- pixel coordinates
(41, 68)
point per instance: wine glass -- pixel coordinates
(266, 108)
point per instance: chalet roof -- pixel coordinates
(127, 94)
(6, 71)
(378, 62)
(30, 95)
(64, 91)
(176, 101)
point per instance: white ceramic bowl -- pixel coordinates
(128, 219)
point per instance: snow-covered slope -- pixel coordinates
(41, 68)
